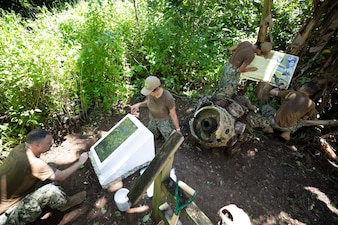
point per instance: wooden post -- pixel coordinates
(160, 192)
(266, 22)
(158, 172)
(160, 164)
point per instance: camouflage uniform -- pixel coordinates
(269, 112)
(255, 120)
(229, 80)
(30, 208)
(252, 119)
(160, 121)
(163, 127)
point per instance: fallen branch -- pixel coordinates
(326, 148)
(329, 135)
(320, 122)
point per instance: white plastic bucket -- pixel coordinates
(121, 199)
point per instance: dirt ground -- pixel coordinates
(274, 182)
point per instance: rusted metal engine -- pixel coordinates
(215, 122)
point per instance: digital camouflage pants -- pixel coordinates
(229, 80)
(269, 112)
(255, 120)
(161, 127)
(30, 208)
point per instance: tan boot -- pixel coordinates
(286, 135)
(74, 200)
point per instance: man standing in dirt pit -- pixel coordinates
(295, 107)
(25, 180)
(161, 105)
(244, 54)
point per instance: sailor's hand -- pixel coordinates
(134, 109)
(274, 91)
(248, 69)
(252, 107)
(83, 157)
(282, 87)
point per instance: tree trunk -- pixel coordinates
(136, 15)
(266, 22)
(317, 47)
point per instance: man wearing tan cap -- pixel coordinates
(162, 111)
(244, 54)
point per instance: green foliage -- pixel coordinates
(36, 79)
(71, 58)
(29, 8)
(288, 16)
(59, 65)
(6, 141)
(102, 69)
(188, 40)
(299, 136)
(250, 93)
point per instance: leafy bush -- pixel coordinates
(102, 71)
(32, 78)
(288, 17)
(97, 53)
(187, 42)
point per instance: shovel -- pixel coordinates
(179, 205)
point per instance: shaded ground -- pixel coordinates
(272, 181)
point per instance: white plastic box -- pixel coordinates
(124, 149)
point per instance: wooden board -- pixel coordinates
(155, 167)
(192, 212)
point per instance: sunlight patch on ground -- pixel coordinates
(281, 218)
(322, 197)
(69, 151)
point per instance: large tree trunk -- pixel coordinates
(266, 23)
(317, 47)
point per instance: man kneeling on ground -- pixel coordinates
(23, 177)
(296, 106)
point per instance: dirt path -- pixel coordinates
(273, 182)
